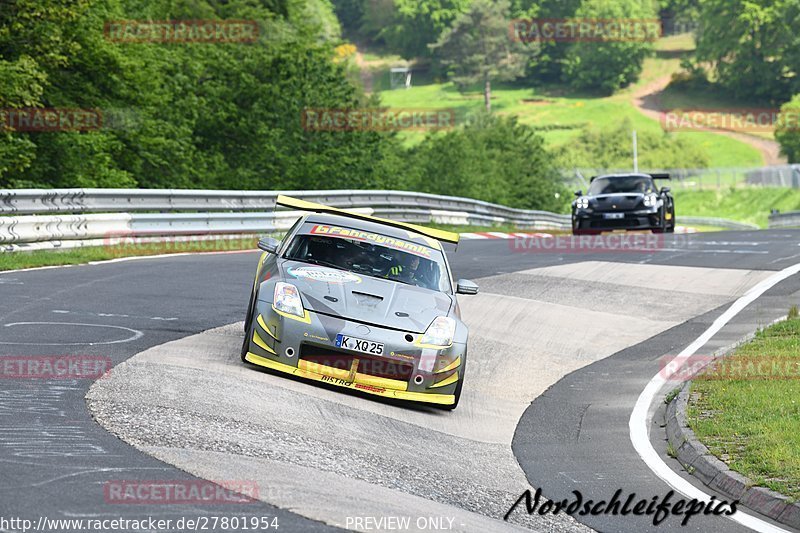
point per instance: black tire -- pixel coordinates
(671, 228)
(246, 344)
(664, 227)
(251, 309)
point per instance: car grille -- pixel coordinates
(616, 223)
(369, 365)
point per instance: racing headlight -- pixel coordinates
(582, 202)
(650, 200)
(440, 333)
(287, 299)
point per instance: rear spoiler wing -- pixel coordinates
(304, 205)
(654, 175)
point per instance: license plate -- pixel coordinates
(359, 345)
(613, 216)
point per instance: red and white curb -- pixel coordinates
(518, 235)
(499, 235)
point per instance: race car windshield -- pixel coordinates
(422, 267)
(622, 184)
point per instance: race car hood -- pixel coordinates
(376, 301)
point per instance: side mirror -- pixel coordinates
(665, 190)
(465, 286)
(578, 193)
(269, 245)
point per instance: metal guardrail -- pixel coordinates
(37, 201)
(36, 219)
(785, 220)
(718, 223)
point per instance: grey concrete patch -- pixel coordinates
(364, 458)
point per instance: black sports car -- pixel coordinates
(624, 202)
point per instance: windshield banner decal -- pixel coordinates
(389, 242)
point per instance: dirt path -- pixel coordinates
(647, 100)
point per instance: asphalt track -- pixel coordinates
(561, 346)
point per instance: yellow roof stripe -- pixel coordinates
(303, 205)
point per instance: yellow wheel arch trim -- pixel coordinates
(263, 325)
(258, 269)
(306, 318)
(426, 397)
(446, 381)
(261, 344)
(451, 366)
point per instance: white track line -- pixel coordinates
(640, 418)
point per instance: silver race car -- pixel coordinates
(359, 302)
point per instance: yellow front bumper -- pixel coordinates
(361, 382)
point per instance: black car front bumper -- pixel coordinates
(586, 221)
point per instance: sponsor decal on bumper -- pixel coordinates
(355, 383)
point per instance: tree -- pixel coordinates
(478, 48)
(492, 158)
(787, 130)
(754, 46)
(204, 115)
(411, 25)
(610, 63)
(549, 62)
(601, 148)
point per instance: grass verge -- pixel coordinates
(77, 256)
(559, 115)
(747, 409)
(745, 205)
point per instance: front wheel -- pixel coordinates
(246, 344)
(251, 310)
